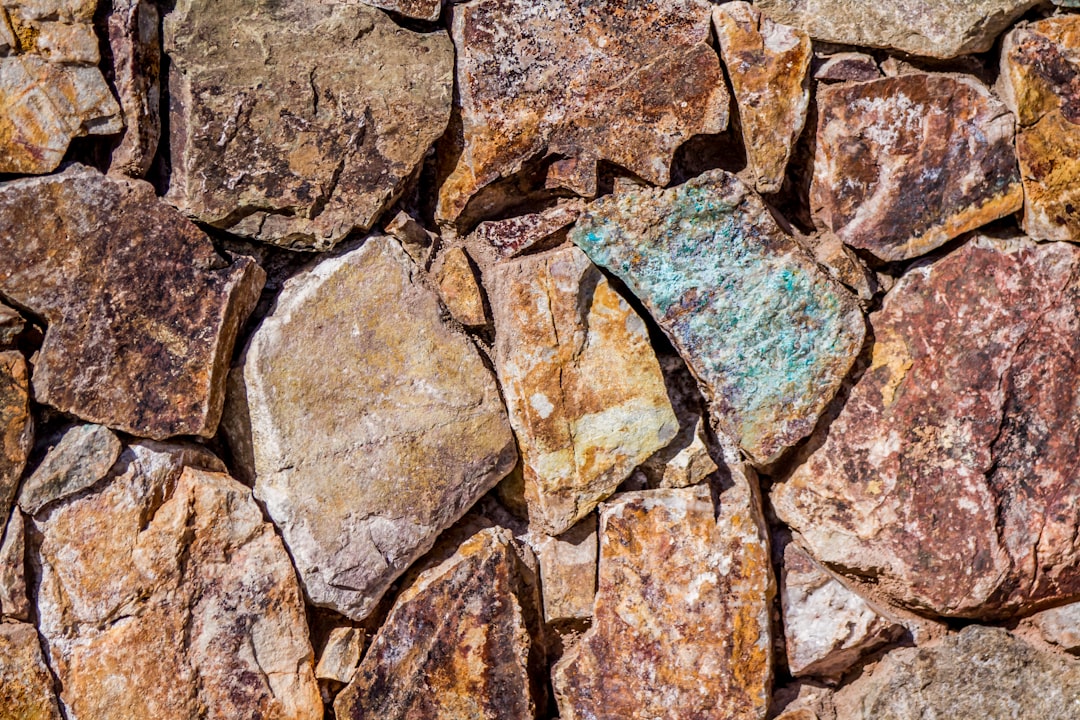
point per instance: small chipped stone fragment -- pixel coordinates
(583, 387)
(567, 572)
(686, 460)
(417, 9)
(416, 240)
(135, 43)
(848, 67)
(340, 655)
(514, 236)
(83, 456)
(11, 325)
(26, 688)
(1060, 626)
(904, 164)
(693, 254)
(14, 602)
(769, 67)
(459, 289)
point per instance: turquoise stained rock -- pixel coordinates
(769, 336)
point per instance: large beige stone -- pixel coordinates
(583, 387)
(180, 602)
(375, 424)
(26, 691)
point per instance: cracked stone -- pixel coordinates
(135, 43)
(83, 456)
(26, 688)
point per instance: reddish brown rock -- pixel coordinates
(135, 44)
(456, 644)
(904, 164)
(769, 67)
(1040, 81)
(26, 688)
(495, 240)
(849, 66)
(587, 81)
(419, 9)
(142, 311)
(16, 426)
(948, 480)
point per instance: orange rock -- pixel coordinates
(459, 288)
(16, 427)
(26, 691)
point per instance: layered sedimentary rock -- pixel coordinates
(142, 312)
(941, 29)
(948, 478)
(769, 67)
(456, 644)
(681, 626)
(375, 425)
(904, 164)
(181, 603)
(693, 255)
(1040, 81)
(135, 44)
(16, 426)
(51, 89)
(83, 456)
(585, 81)
(281, 128)
(583, 387)
(26, 691)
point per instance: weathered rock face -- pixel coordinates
(583, 387)
(341, 655)
(827, 627)
(941, 29)
(769, 67)
(14, 602)
(681, 626)
(1040, 81)
(83, 456)
(693, 254)
(180, 580)
(281, 131)
(456, 643)
(51, 89)
(548, 78)
(16, 426)
(375, 425)
(499, 239)
(419, 9)
(848, 66)
(904, 164)
(26, 691)
(567, 572)
(459, 289)
(135, 43)
(979, 673)
(142, 311)
(948, 477)
(1060, 626)
(11, 324)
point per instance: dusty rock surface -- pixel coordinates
(26, 691)
(568, 572)
(459, 289)
(341, 654)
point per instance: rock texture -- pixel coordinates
(418, 9)
(135, 44)
(567, 572)
(142, 311)
(14, 602)
(459, 289)
(51, 89)
(1060, 626)
(456, 644)
(848, 66)
(904, 164)
(181, 603)
(83, 456)
(693, 254)
(26, 691)
(941, 29)
(681, 625)
(583, 387)
(769, 68)
(513, 236)
(1040, 81)
(948, 478)
(341, 655)
(16, 426)
(375, 424)
(280, 129)
(11, 325)
(586, 81)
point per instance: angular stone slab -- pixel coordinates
(142, 311)
(135, 43)
(904, 164)
(681, 626)
(83, 456)
(14, 601)
(341, 655)
(459, 289)
(16, 426)
(26, 688)
(693, 255)
(948, 478)
(1040, 82)
(296, 122)
(456, 643)
(567, 572)
(375, 424)
(182, 603)
(1060, 626)
(769, 67)
(848, 66)
(547, 78)
(940, 29)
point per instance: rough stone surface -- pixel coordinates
(567, 572)
(769, 68)
(1060, 626)
(456, 643)
(417, 241)
(940, 28)
(681, 626)
(948, 478)
(459, 289)
(280, 129)
(419, 9)
(904, 164)
(16, 426)
(692, 255)
(980, 672)
(341, 655)
(180, 580)
(583, 387)
(827, 627)
(11, 324)
(51, 89)
(375, 425)
(26, 688)
(587, 81)
(849, 66)
(142, 311)
(1040, 81)
(135, 44)
(14, 602)
(513, 236)
(83, 456)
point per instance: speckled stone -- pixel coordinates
(948, 480)
(142, 311)
(589, 81)
(418, 9)
(26, 691)
(497, 240)
(135, 44)
(693, 255)
(1060, 626)
(846, 67)
(904, 164)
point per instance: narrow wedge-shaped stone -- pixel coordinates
(16, 426)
